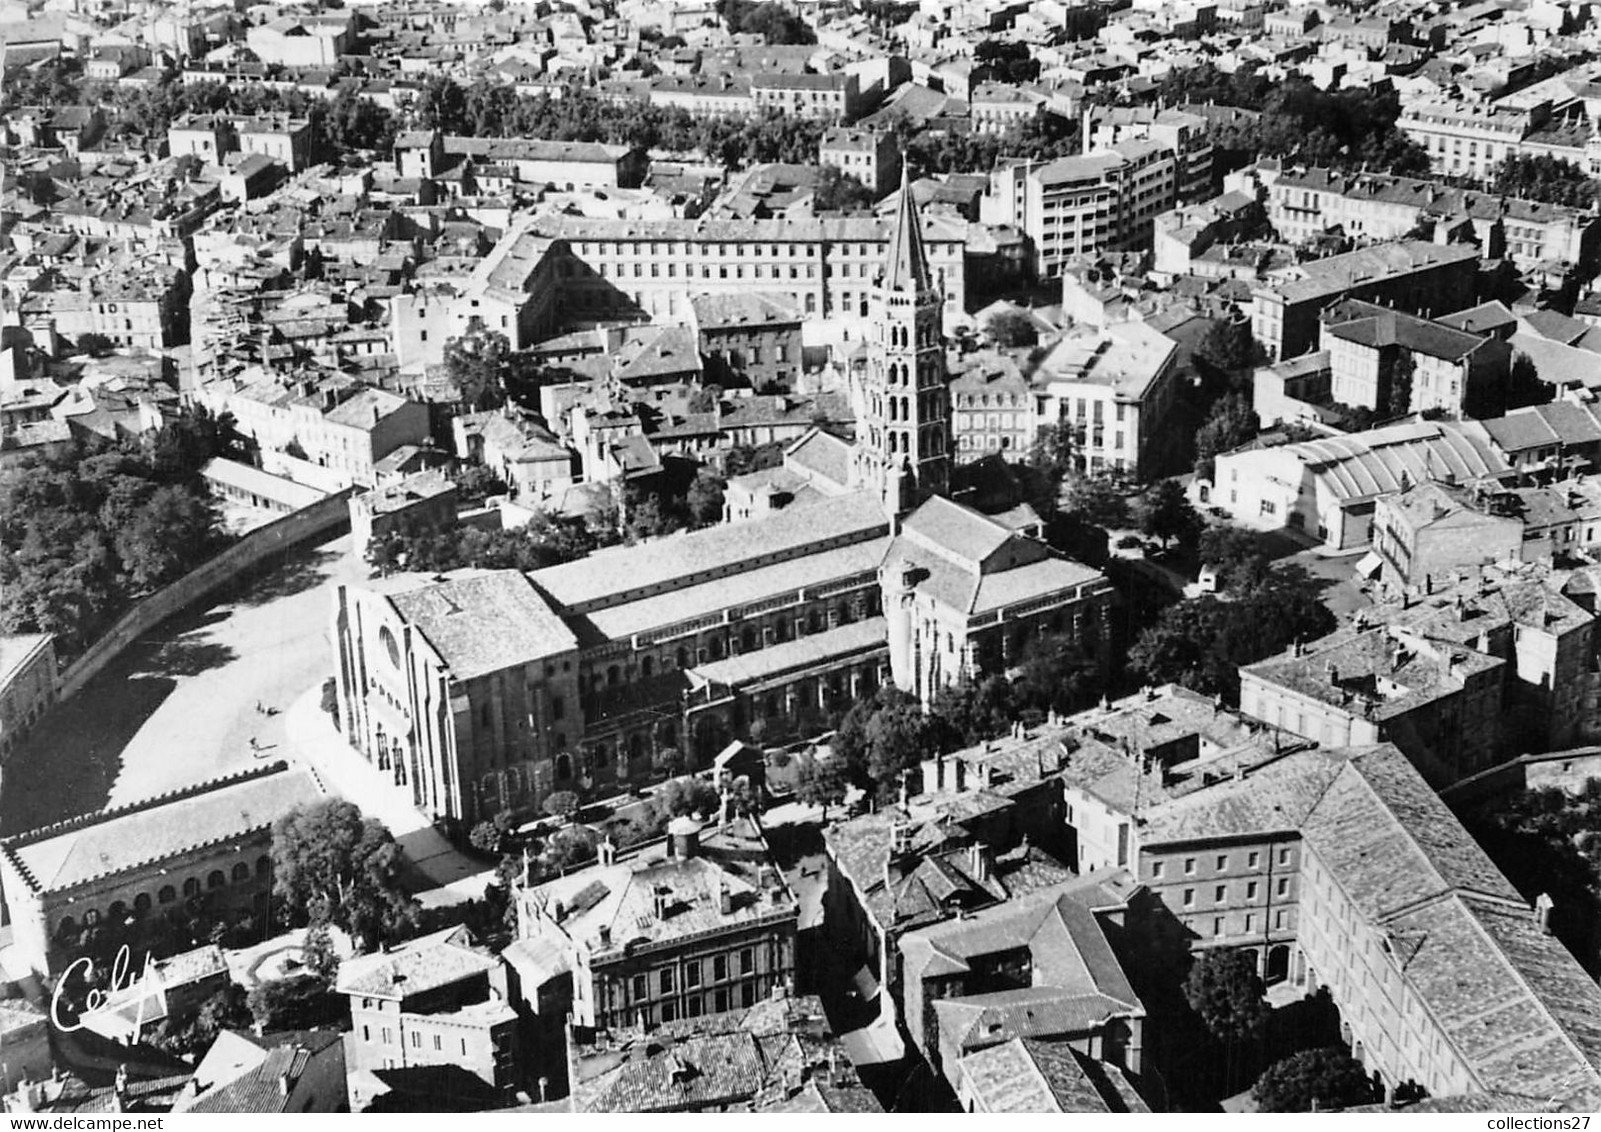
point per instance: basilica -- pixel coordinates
(850, 566)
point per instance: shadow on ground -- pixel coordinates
(69, 763)
(281, 578)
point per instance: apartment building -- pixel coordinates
(1117, 388)
(1077, 206)
(1372, 348)
(696, 925)
(1303, 203)
(871, 156)
(429, 1018)
(1408, 275)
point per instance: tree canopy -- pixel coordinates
(333, 866)
(83, 536)
(1329, 1078)
(1202, 642)
(840, 191)
(1543, 177)
(1225, 990)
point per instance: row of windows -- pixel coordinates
(1253, 860)
(666, 978)
(386, 1036)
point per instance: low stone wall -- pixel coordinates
(322, 518)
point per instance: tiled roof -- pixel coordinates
(416, 967)
(761, 664)
(617, 575)
(62, 856)
(1541, 426)
(1029, 1075)
(242, 1073)
(606, 909)
(481, 622)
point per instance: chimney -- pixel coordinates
(958, 775)
(1334, 673)
(978, 864)
(725, 900)
(605, 935)
(283, 1084)
(1086, 140)
(606, 852)
(658, 900)
(1542, 912)
(683, 837)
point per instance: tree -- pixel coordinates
(1012, 329)
(1228, 345)
(333, 866)
(479, 362)
(705, 497)
(442, 105)
(568, 847)
(95, 345)
(1236, 555)
(1167, 514)
(299, 1002)
(821, 782)
(1398, 385)
(1231, 423)
(317, 953)
(477, 482)
(1544, 178)
(1058, 673)
(191, 1033)
(1202, 642)
(1328, 1078)
(899, 736)
(1096, 500)
(485, 838)
(1049, 462)
(354, 122)
(680, 797)
(1225, 990)
(1005, 62)
(562, 804)
(158, 538)
(838, 191)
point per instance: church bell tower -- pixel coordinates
(903, 400)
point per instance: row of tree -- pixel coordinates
(1297, 122)
(85, 535)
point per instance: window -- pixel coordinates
(416, 1040)
(558, 708)
(669, 1011)
(1284, 886)
(167, 894)
(1156, 870)
(694, 1006)
(1220, 893)
(692, 973)
(1252, 859)
(719, 969)
(241, 873)
(191, 887)
(747, 994)
(720, 1001)
(387, 1037)
(640, 990)
(439, 1043)
(1222, 862)
(1269, 507)
(1250, 922)
(1284, 855)
(1189, 897)
(366, 1033)
(1217, 925)
(1278, 918)
(1250, 890)
(1189, 866)
(747, 960)
(216, 879)
(667, 981)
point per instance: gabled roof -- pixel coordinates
(416, 967)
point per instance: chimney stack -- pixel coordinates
(725, 900)
(1542, 912)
